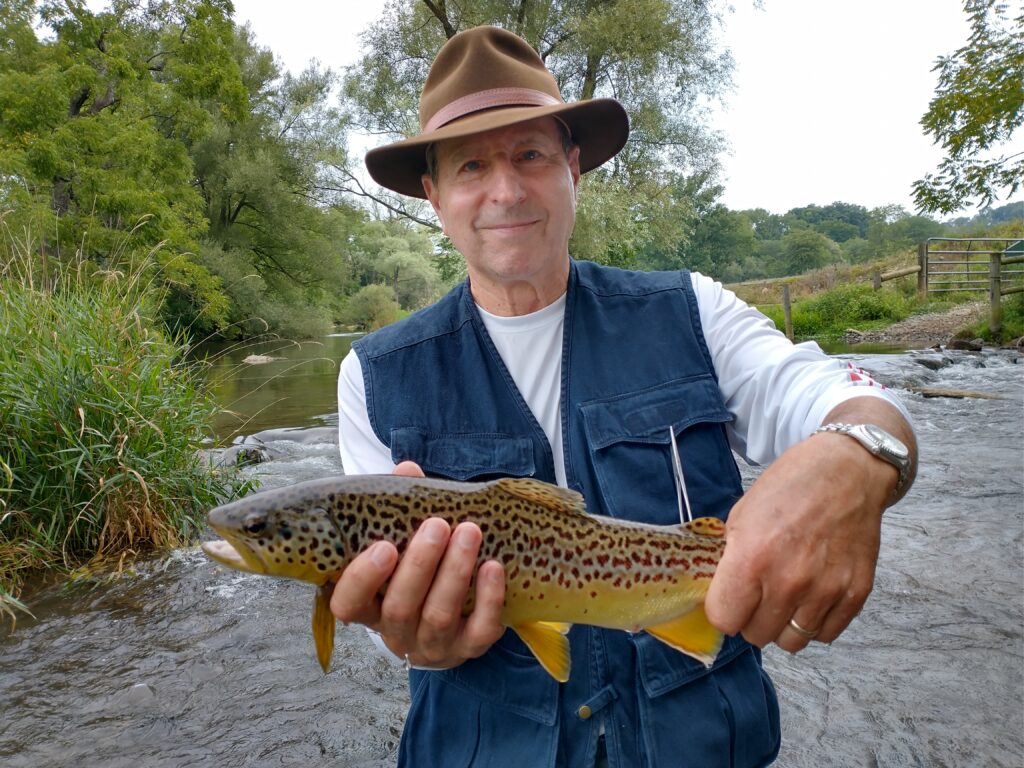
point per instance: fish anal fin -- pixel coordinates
(545, 494)
(549, 645)
(692, 634)
(323, 625)
(706, 526)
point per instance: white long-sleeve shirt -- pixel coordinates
(777, 391)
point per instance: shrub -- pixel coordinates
(372, 307)
(853, 305)
(100, 420)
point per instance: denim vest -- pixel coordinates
(634, 365)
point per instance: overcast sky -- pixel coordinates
(826, 102)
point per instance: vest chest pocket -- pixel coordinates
(472, 456)
(628, 445)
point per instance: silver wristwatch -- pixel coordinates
(880, 443)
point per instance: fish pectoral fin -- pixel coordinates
(323, 625)
(706, 526)
(692, 634)
(549, 644)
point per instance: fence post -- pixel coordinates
(922, 275)
(876, 279)
(995, 322)
(787, 312)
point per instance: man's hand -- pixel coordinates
(802, 544)
(419, 615)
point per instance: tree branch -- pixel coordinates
(440, 11)
(362, 192)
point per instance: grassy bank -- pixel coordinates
(100, 419)
(855, 305)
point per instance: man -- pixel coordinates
(583, 375)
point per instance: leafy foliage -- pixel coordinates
(854, 305)
(978, 104)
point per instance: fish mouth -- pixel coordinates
(240, 558)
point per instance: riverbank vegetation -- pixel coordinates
(167, 126)
(101, 418)
(174, 115)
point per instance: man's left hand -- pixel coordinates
(802, 544)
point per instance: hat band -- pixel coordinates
(489, 99)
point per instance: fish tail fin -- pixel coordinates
(323, 625)
(692, 634)
(549, 644)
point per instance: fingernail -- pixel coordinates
(433, 532)
(379, 554)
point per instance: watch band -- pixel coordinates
(879, 443)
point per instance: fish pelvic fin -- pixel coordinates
(550, 496)
(323, 625)
(549, 644)
(706, 526)
(692, 634)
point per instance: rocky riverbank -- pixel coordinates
(930, 329)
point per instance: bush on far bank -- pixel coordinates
(852, 305)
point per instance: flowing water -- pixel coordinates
(183, 663)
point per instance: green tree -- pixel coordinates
(96, 120)
(978, 105)
(805, 249)
(656, 56)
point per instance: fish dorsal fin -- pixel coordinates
(323, 625)
(549, 644)
(706, 526)
(551, 496)
(692, 634)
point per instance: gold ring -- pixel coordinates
(805, 633)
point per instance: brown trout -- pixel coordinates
(562, 565)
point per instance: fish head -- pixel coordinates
(286, 532)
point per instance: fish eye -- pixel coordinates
(255, 524)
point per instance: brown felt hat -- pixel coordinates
(486, 78)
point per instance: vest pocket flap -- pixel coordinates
(644, 416)
(509, 677)
(464, 457)
(663, 669)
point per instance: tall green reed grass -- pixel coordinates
(101, 417)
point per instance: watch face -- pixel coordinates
(886, 442)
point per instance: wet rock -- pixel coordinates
(138, 694)
(933, 362)
(246, 451)
(303, 435)
(967, 345)
(260, 359)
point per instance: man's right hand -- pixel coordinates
(418, 613)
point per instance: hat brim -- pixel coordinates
(599, 126)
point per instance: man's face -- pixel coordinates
(507, 200)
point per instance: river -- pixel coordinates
(183, 663)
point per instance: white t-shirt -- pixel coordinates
(778, 391)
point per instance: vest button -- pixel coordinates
(584, 712)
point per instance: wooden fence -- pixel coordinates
(965, 265)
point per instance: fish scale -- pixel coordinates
(562, 565)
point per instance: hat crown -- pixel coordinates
(484, 68)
